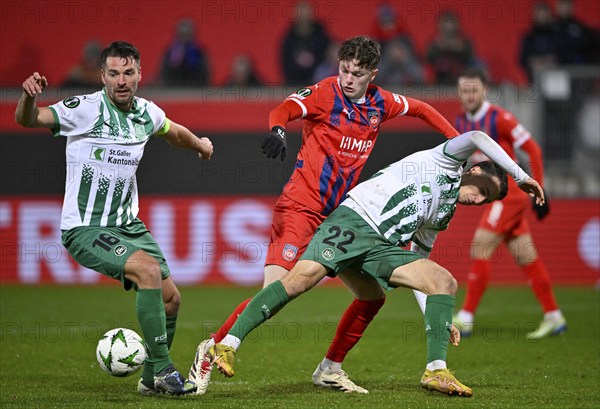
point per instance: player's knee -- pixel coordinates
(445, 283)
(451, 285)
(149, 274)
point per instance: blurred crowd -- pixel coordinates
(309, 52)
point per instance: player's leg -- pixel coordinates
(117, 252)
(272, 273)
(265, 304)
(292, 228)
(524, 252)
(201, 369)
(369, 298)
(171, 300)
(145, 272)
(440, 286)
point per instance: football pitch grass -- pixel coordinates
(48, 339)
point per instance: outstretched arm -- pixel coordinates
(27, 113)
(536, 164)
(182, 137)
(464, 145)
(433, 118)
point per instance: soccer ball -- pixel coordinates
(120, 352)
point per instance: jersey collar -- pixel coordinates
(480, 112)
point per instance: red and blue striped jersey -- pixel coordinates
(337, 138)
(500, 125)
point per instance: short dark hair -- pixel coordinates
(494, 170)
(363, 49)
(120, 49)
(475, 73)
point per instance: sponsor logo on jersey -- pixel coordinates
(304, 92)
(374, 119)
(328, 254)
(71, 102)
(426, 189)
(289, 252)
(97, 153)
(353, 144)
(120, 250)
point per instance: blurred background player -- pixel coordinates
(106, 135)
(185, 62)
(242, 73)
(539, 46)
(304, 46)
(451, 51)
(506, 221)
(342, 117)
(87, 72)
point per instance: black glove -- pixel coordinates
(541, 211)
(275, 143)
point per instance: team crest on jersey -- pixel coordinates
(328, 254)
(374, 119)
(120, 250)
(289, 252)
(71, 102)
(426, 189)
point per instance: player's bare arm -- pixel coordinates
(180, 136)
(28, 114)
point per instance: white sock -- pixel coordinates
(210, 343)
(437, 364)
(465, 316)
(330, 366)
(554, 316)
(231, 341)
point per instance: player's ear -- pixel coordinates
(140, 73)
(475, 170)
(374, 74)
(102, 76)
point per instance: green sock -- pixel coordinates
(151, 316)
(438, 322)
(148, 369)
(263, 306)
(171, 324)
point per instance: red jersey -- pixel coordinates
(505, 129)
(338, 137)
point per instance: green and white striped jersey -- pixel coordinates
(104, 148)
(412, 199)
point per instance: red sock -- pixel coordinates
(218, 337)
(477, 282)
(353, 324)
(541, 285)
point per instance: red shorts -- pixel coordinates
(507, 217)
(292, 229)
